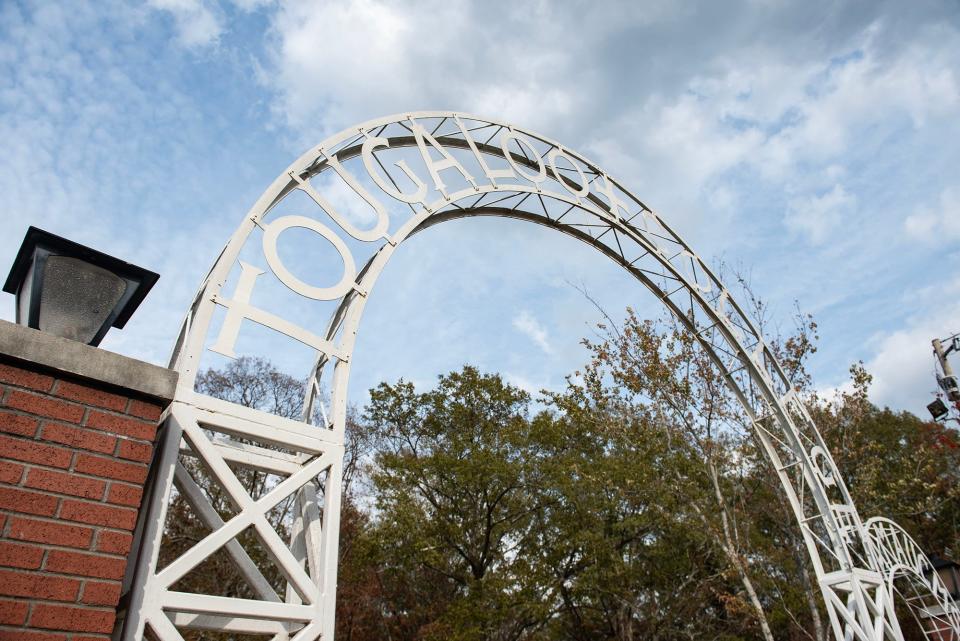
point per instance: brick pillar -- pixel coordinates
(77, 425)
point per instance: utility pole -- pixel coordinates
(948, 382)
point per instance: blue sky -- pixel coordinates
(812, 144)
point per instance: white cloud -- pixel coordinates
(732, 121)
(198, 24)
(530, 327)
(791, 114)
(937, 224)
(332, 64)
(252, 5)
(903, 363)
(816, 216)
(103, 147)
(790, 120)
(869, 89)
(901, 360)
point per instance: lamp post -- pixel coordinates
(948, 382)
(73, 291)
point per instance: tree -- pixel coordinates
(456, 499)
(577, 523)
(626, 554)
(635, 504)
(895, 464)
(655, 367)
(631, 501)
(659, 373)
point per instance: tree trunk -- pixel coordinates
(819, 632)
(730, 549)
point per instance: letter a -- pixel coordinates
(436, 166)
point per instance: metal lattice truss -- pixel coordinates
(406, 173)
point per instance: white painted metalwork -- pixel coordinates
(411, 172)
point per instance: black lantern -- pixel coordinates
(72, 291)
(938, 409)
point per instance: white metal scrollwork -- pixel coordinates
(414, 171)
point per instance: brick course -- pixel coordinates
(79, 619)
(21, 635)
(18, 555)
(73, 460)
(89, 396)
(40, 405)
(19, 425)
(126, 426)
(114, 542)
(110, 468)
(65, 483)
(13, 613)
(20, 377)
(80, 438)
(123, 494)
(99, 514)
(50, 532)
(10, 472)
(100, 592)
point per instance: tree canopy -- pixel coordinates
(633, 504)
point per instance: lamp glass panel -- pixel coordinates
(24, 295)
(77, 298)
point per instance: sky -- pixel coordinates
(811, 145)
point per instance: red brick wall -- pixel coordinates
(73, 460)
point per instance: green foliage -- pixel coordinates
(896, 465)
(460, 503)
(633, 504)
(638, 505)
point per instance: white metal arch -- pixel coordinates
(462, 166)
(928, 598)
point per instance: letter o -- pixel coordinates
(819, 458)
(523, 142)
(584, 189)
(270, 234)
